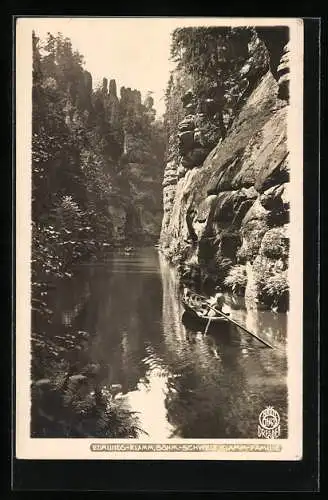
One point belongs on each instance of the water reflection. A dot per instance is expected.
(182, 383)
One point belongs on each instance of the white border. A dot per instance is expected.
(29, 448)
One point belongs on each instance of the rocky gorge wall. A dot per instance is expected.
(226, 208)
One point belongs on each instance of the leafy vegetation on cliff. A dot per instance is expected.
(237, 279)
(226, 179)
(213, 62)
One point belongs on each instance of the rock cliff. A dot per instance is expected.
(225, 190)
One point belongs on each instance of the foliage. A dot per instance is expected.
(219, 267)
(275, 290)
(252, 234)
(214, 57)
(237, 279)
(275, 244)
(72, 406)
(80, 157)
(67, 400)
(177, 85)
(78, 145)
(272, 282)
(277, 285)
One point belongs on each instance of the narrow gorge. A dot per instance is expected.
(132, 206)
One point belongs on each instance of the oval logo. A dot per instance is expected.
(269, 418)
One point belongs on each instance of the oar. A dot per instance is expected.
(235, 323)
(245, 329)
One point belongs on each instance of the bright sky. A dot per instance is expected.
(135, 52)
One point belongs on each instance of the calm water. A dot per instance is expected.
(182, 383)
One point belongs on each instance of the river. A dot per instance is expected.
(182, 383)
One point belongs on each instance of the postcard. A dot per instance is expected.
(159, 236)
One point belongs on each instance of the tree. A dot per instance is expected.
(213, 57)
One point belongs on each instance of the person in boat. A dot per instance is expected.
(217, 302)
(186, 294)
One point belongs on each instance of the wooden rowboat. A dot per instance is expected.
(198, 308)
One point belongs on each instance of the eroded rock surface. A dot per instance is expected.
(227, 203)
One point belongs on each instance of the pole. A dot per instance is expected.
(207, 326)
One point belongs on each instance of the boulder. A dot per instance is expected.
(229, 204)
(187, 97)
(187, 124)
(181, 172)
(271, 198)
(222, 180)
(194, 158)
(285, 195)
(264, 152)
(240, 212)
(224, 210)
(186, 141)
(275, 171)
(256, 212)
(283, 72)
(170, 181)
(205, 208)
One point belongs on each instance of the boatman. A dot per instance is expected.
(216, 301)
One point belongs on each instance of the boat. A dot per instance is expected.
(128, 250)
(197, 308)
(196, 313)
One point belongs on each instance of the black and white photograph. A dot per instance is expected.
(159, 238)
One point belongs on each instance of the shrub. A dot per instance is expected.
(222, 267)
(237, 279)
(250, 249)
(68, 212)
(62, 407)
(275, 245)
(242, 254)
(273, 288)
(276, 286)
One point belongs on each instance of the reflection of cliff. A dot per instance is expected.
(266, 324)
(125, 321)
(218, 384)
(172, 309)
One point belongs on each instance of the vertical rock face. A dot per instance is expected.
(283, 71)
(113, 104)
(226, 207)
